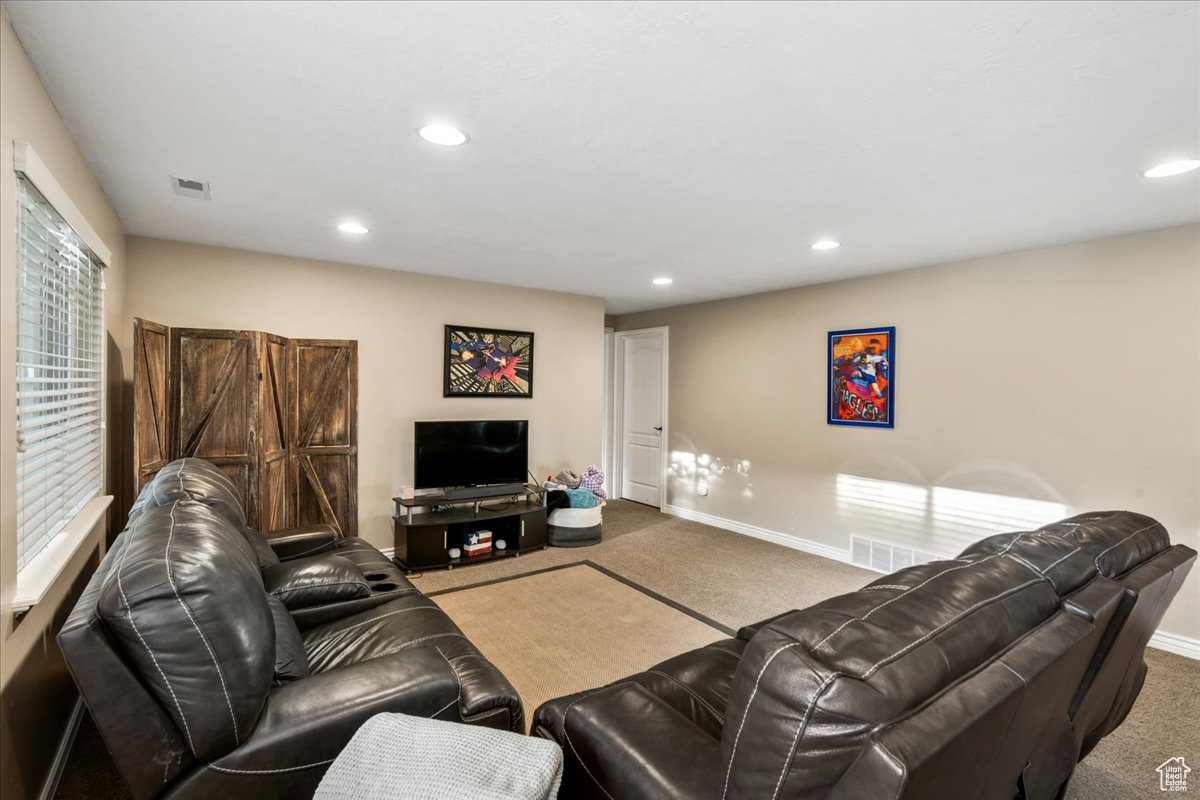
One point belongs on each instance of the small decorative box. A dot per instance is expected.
(478, 537)
(477, 543)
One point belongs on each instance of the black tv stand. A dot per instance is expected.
(482, 492)
(426, 527)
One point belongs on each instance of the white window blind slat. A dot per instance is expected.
(36, 506)
(49, 447)
(34, 394)
(36, 427)
(48, 464)
(65, 401)
(60, 339)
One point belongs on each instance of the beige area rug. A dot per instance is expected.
(567, 629)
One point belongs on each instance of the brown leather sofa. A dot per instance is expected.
(313, 555)
(202, 683)
(988, 676)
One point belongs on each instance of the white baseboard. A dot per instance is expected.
(63, 753)
(390, 552)
(1162, 640)
(1174, 643)
(787, 540)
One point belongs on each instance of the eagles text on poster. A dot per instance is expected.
(861, 374)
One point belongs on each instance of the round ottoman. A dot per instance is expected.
(574, 527)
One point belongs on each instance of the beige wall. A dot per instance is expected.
(397, 319)
(37, 692)
(28, 115)
(1067, 376)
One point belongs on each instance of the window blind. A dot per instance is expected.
(60, 339)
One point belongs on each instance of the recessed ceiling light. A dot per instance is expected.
(1173, 168)
(663, 281)
(442, 134)
(352, 227)
(826, 244)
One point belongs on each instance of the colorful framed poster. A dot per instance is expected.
(486, 362)
(862, 377)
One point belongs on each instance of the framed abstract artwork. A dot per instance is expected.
(862, 377)
(486, 362)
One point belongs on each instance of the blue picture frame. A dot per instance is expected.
(860, 377)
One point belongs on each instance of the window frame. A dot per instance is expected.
(36, 576)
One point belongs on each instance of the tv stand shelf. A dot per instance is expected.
(423, 534)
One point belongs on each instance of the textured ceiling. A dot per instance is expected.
(614, 142)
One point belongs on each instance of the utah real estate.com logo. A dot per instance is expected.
(1173, 775)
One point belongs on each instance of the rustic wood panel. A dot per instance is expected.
(214, 382)
(323, 431)
(151, 402)
(274, 503)
(278, 416)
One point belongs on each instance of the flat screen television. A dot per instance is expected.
(471, 453)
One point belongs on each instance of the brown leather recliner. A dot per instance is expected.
(202, 685)
(958, 679)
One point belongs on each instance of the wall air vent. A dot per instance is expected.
(885, 557)
(189, 187)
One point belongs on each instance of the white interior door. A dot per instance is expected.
(642, 415)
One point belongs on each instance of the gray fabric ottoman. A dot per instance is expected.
(399, 757)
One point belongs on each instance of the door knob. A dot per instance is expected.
(658, 428)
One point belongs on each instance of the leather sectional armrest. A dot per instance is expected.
(307, 723)
(312, 616)
(747, 632)
(625, 742)
(308, 540)
(315, 581)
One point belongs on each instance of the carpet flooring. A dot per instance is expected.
(733, 580)
(566, 629)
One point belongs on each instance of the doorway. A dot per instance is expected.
(639, 415)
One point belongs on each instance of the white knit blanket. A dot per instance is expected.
(398, 757)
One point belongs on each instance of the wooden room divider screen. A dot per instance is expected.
(279, 416)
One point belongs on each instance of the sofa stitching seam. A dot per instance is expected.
(308, 586)
(149, 650)
(485, 714)
(207, 646)
(725, 650)
(230, 770)
(1103, 552)
(457, 681)
(907, 592)
(812, 705)
(1059, 561)
(691, 691)
(1013, 671)
(961, 615)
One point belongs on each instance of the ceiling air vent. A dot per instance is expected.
(187, 187)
